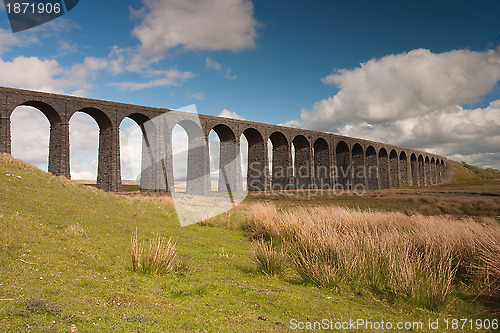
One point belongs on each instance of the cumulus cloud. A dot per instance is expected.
(33, 73)
(414, 99)
(229, 114)
(49, 76)
(195, 25)
(405, 85)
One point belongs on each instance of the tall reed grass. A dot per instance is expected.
(270, 261)
(417, 258)
(155, 256)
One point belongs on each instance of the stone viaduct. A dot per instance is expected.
(321, 160)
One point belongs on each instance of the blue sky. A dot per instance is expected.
(360, 68)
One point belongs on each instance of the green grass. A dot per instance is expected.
(65, 259)
(467, 172)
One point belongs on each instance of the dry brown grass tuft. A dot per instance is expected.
(155, 256)
(269, 260)
(488, 268)
(400, 256)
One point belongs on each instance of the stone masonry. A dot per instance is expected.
(321, 160)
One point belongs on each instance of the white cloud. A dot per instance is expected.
(9, 40)
(33, 73)
(171, 77)
(414, 99)
(195, 25)
(406, 85)
(199, 95)
(49, 76)
(211, 64)
(229, 114)
(53, 29)
(66, 48)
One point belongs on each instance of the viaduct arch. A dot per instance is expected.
(321, 160)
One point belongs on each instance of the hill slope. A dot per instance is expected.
(65, 259)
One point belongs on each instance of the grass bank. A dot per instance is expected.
(65, 260)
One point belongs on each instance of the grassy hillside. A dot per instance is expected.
(65, 259)
(467, 172)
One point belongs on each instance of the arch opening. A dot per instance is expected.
(32, 145)
(30, 136)
(229, 160)
(180, 147)
(133, 152)
(86, 149)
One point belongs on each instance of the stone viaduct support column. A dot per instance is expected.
(108, 170)
(371, 167)
(383, 166)
(4, 126)
(59, 154)
(343, 166)
(433, 171)
(421, 171)
(157, 160)
(403, 168)
(198, 167)
(303, 163)
(257, 160)
(149, 162)
(427, 171)
(414, 170)
(322, 164)
(281, 168)
(394, 169)
(165, 159)
(229, 162)
(439, 172)
(358, 167)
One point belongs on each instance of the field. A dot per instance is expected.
(65, 258)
